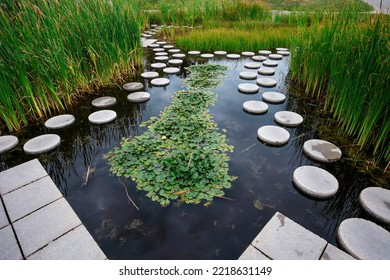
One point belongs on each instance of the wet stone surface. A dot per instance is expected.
(41, 144)
(102, 117)
(139, 96)
(287, 118)
(321, 150)
(134, 86)
(376, 201)
(248, 88)
(104, 101)
(248, 75)
(273, 97)
(7, 142)
(255, 107)
(273, 135)
(60, 121)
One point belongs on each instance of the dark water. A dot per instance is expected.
(220, 231)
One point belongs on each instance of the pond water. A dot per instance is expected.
(179, 231)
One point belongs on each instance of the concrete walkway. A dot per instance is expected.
(36, 222)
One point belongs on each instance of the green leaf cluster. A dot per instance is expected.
(182, 155)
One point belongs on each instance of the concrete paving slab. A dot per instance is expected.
(31, 197)
(9, 249)
(21, 175)
(77, 244)
(251, 253)
(283, 239)
(333, 253)
(3, 217)
(43, 226)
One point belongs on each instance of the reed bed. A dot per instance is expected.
(52, 51)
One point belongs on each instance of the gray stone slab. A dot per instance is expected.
(270, 63)
(220, 53)
(60, 121)
(321, 150)
(3, 216)
(255, 107)
(207, 55)
(252, 65)
(233, 56)
(259, 58)
(134, 86)
(174, 50)
(364, 239)
(194, 52)
(248, 75)
(161, 58)
(158, 65)
(376, 201)
(138, 96)
(248, 53)
(104, 101)
(248, 88)
(178, 55)
(288, 118)
(149, 75)
(275, 56)
(77, 244)
(9, 249)
(266, 71)
(283, 239)
(265, 52)
(171, 70)
(31, 197)
(153, 45)
(158, 49)
(251, 253)
(167, 47)
(147, 42)
(102, 117)
(266, 82)
(333, 253)
(7, 143)
(273, 97)
(284, 53)
(161, 54)
(281, 49)
(43, 226)
(42, 144)
(273, 135)
(21, 175)
(160, 82)
(315, 181)
(175, 61)
(161, 42)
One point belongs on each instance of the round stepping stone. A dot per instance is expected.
(60, 121)
(178, 55)
(174, 51)
(315, 181)
(207, 55)
(158, 50)
(266, 71)
(105, 101)
(364, 239)
(288, 118)
(248, 88)
(376, 201)
(270, 63)
(321, 150)
(255, 107)
(259, 58)
(171, 70)
(273, 135)
(284, 53)
(134, 86)
(265, 52)
(153, 45)
(146, 35)
(248, 53)
(168, 47)
(161, 42)
(102, 116)
(161, 54)
(266, 82)
(252, 65)
(273, 97)
(281, 49)
(160, 82)
(175, 61)
(158, 65)
(275, 56)
(139, 96)
(248, 75)
(41, 144)
(161, 58)
(7, 143)
(220, 53)
(149, 75)
(194, 52)
(233, 56)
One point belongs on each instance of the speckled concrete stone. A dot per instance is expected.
(174, 50)
(42, 144)
(3, 217)
(158, 65)
(247, 53)
(178, 55)
(158, 50)
(259, 58)
(233, 56)
(273, 97)
(168, 47)
(220, 53)
(153, 45)
(265, 52)
(194, 52)
(251, 253)
(161, 58)
(160, 82)
(138, 96)
(287, 118)
(60, 121)
(149, 75)
(252, 65)
(175, 61)
(7, 143)
(248, 75)
(270, 63)
(134, 86)
(102, 116)
(266, 82)
(9, 249)
(161, 42)
(248, 88)
(364, 239)
(255, 107)
(333, 253)
(315, 182)
(161, 54)
(281, 49)
(104, 101)
(207, 55)
(275, 56)
(266, 71)
(273, 135)
(171, 70)
(321, 150)
(376, 201)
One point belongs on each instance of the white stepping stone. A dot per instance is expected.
(41, 144)
(134, 86)
(102, 117)
(287, 118)
(147, 35)
(273, 97)
(105, 101)
(376, 201)
(248, 53)
(161, 54)
(233, 56)
(174, 51)
(207, 55)
(149, 75)
(161, 42)
(60, 121)
(168, 47)
(281, 49)
(153, 25)
(273, 135)
(255, 107)
(248, 75)
(161, 58)
(153, 45)
(266, 82)
(315, 182)
(321, 150)
(220, 53)
(271, 63)
(194, 52)
(158, 50)
(248, 88)
(265, 52)
(160, 82)
(175, 61)
(138, 96)
(178, 55)
(171, 70)
(158, 65)
(259, 58)
(7, 143)
(275, 56)
(364, 239)
(266, 71)
(284, 53)
(252, 65)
